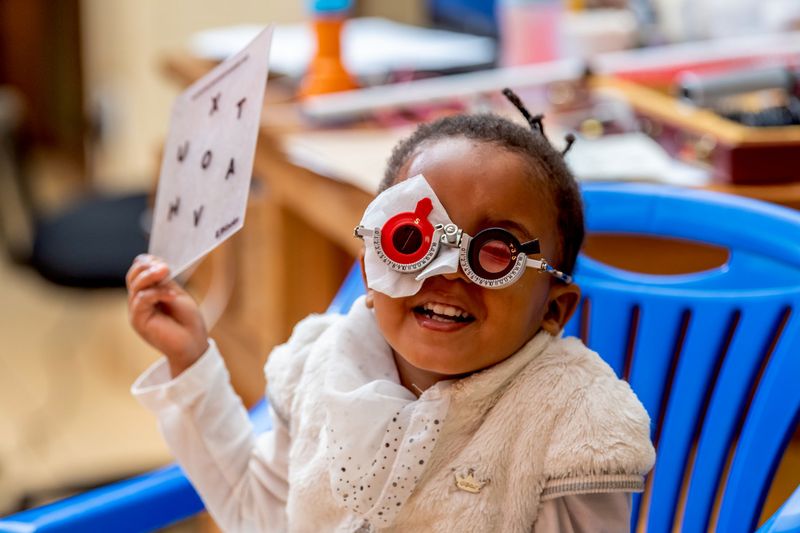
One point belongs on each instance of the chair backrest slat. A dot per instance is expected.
(657, 340)
(754, 333)
(771, 420)
(707, 333)
(609, 327)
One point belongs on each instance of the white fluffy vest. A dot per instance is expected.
(549, 421)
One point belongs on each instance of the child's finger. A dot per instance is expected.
(141, 262)
(143, 303)
(184, 309)
(153, 275)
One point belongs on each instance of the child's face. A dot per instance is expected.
(480, 185)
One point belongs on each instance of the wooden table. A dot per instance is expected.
(297, 244)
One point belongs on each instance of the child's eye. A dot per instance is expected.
(494, 256)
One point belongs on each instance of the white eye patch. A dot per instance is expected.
(400, 198)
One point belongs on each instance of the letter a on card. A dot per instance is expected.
(198, 181)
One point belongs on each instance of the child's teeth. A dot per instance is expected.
(445, 310)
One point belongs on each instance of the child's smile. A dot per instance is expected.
(442, 316)
(452, 326)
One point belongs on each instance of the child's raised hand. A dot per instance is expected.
(164, 314)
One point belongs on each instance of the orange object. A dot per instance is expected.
(326, 73)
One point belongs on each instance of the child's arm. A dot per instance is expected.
(164, 314)
(241, 478)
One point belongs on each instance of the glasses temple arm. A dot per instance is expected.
(544, 266)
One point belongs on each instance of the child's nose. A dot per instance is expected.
(458, 274)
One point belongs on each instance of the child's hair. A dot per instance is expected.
(547, 165)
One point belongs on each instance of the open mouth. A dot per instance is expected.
(444, 313)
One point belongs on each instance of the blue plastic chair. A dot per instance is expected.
(714, 356)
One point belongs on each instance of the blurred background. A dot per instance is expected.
(86, 88)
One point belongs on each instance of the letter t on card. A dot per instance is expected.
(208, 158)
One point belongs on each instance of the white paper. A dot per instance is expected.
(631, 157)
(208, 158)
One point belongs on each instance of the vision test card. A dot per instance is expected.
(208, 158)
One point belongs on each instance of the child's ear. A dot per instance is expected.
(561, 304)
(370, 301)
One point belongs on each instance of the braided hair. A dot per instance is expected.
(546, 164)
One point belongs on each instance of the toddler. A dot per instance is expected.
(446, 399)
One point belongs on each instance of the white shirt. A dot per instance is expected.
(244, 478)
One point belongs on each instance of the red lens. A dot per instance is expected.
(407, 239)
(494, 256)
